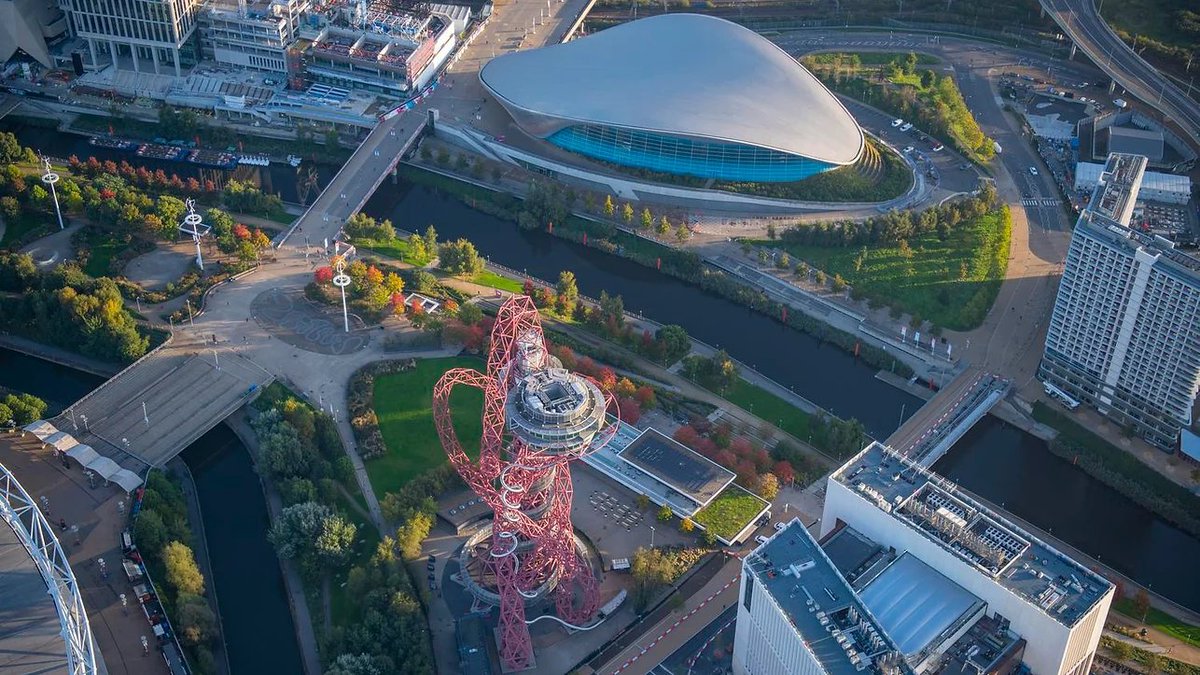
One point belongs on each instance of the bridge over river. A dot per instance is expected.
(948, 416)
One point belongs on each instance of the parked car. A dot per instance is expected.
(779, 527)
(761, 539)
(1033, 171)
(908, 149)
(906, 126)
(939, 147)
(897, 122)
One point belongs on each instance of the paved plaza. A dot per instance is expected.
(163, 265)
(300, 322)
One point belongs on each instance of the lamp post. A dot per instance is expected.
(50, 178)
(342, 280)
(193, 224)
(651, 536)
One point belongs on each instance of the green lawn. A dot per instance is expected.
(102, 255)
(1161, 621)
(343, 608)
(950, 283)
(397, 249)
(769, 407)
(730, 512)
(22, 225)
(493, 280)
(404, 404)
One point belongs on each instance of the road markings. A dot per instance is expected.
(673, 626)
(1041, 202)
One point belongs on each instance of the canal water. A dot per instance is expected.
(278, 178)
(259, 634)
(995, 460)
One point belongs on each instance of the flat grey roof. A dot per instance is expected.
(916, 603)
(30, 635)
(1058, 586)
(685, 471)
(681, 74)
(820, 604)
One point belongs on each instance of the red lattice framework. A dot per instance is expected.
(528, 488)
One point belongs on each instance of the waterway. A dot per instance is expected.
(259, 634)
(995, 460)
(277, 178)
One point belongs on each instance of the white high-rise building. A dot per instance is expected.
(145, 35)
(1125, 332)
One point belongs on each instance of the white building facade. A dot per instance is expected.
(153, 35)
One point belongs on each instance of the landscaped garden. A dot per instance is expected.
(1159, 620)
(730, 512)
(404, 406)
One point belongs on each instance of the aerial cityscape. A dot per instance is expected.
(361, 337)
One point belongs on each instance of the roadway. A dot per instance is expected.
(1091, 33)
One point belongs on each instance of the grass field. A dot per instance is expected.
(769, 407)
(102, 255)
(929, 281)
(404, 404)
(397, 249)
(731, 511)
(23, 224)
(1161, 621)
(493, 280)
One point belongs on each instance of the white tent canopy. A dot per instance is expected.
(41, 428)
(127, 479)
(104, 466)
(61, 440)
(84, 454)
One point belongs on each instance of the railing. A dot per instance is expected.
(38, 538)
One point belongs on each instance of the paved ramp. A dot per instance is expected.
(185, 394)
(31, 638)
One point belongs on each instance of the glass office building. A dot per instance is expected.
(643, 95)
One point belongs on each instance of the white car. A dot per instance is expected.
(779, 527)
(761, 539)
(1033, 171)
(908, 149)
(906, 126)
(897, 122)
(939, 147)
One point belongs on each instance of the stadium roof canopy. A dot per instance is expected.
(678, 74)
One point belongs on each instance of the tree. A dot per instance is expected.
(1141, 604)
(460, 258)
(10, 208)
(821, 278)
(323, 275)
(682, 233)
(150, 532)
(771, 233)
(568, 292)
(360, 664)
(393, 283)
(6, 415)
(25, 408)
(1122, 651)
(470, 314)
(650, 570)
(664, 226)
(412, 532)
(643, 502)
(784, 261)
(627, 213)
(647, 219)
(1154, 662)
(673, 342)
(609, 207)
(686, 525)
(768, 486)
(335, 540)
(297, 528)
(182, 573)
(665, 514)
(196, 621)
(430, 239)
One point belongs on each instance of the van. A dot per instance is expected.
(996, 145)
(761, 539)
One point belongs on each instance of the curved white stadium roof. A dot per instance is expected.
(680, 74)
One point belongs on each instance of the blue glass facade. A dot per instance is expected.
(687, 156)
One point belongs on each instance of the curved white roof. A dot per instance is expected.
(682, 74)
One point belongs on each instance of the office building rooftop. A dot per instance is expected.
(834, 624)
(1013, 558)
(1119, 184)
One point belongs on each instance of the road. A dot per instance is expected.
(1091, 33)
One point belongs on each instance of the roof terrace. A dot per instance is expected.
(1118, 188)
(835, 626)
(1015, 559)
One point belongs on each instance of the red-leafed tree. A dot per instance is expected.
(241, 231)
(323, 275)
(784, 471)
(687, 436)
(607, 379)
(645, 397)
(397, 303)
(528, 288)
(631, 412)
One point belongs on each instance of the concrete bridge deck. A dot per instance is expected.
(927, 435)
(185, 393)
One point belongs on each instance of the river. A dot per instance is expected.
(995, 460)
(259, 633)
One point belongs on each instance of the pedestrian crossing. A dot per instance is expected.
(1041, 202)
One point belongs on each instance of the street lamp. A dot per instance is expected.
(50, 178)
(651, 536)
(342, 280)
(193, 224)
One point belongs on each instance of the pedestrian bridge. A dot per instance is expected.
(948, 416)
(152, 410)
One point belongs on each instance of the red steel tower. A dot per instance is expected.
(537, 417)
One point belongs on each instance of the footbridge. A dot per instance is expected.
(948, 416)
(152, 410)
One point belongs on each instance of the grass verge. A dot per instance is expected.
(1160, 620)
(404, 405)
(951, 283)
(493, 280)
(730, 512)
(765, 405)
